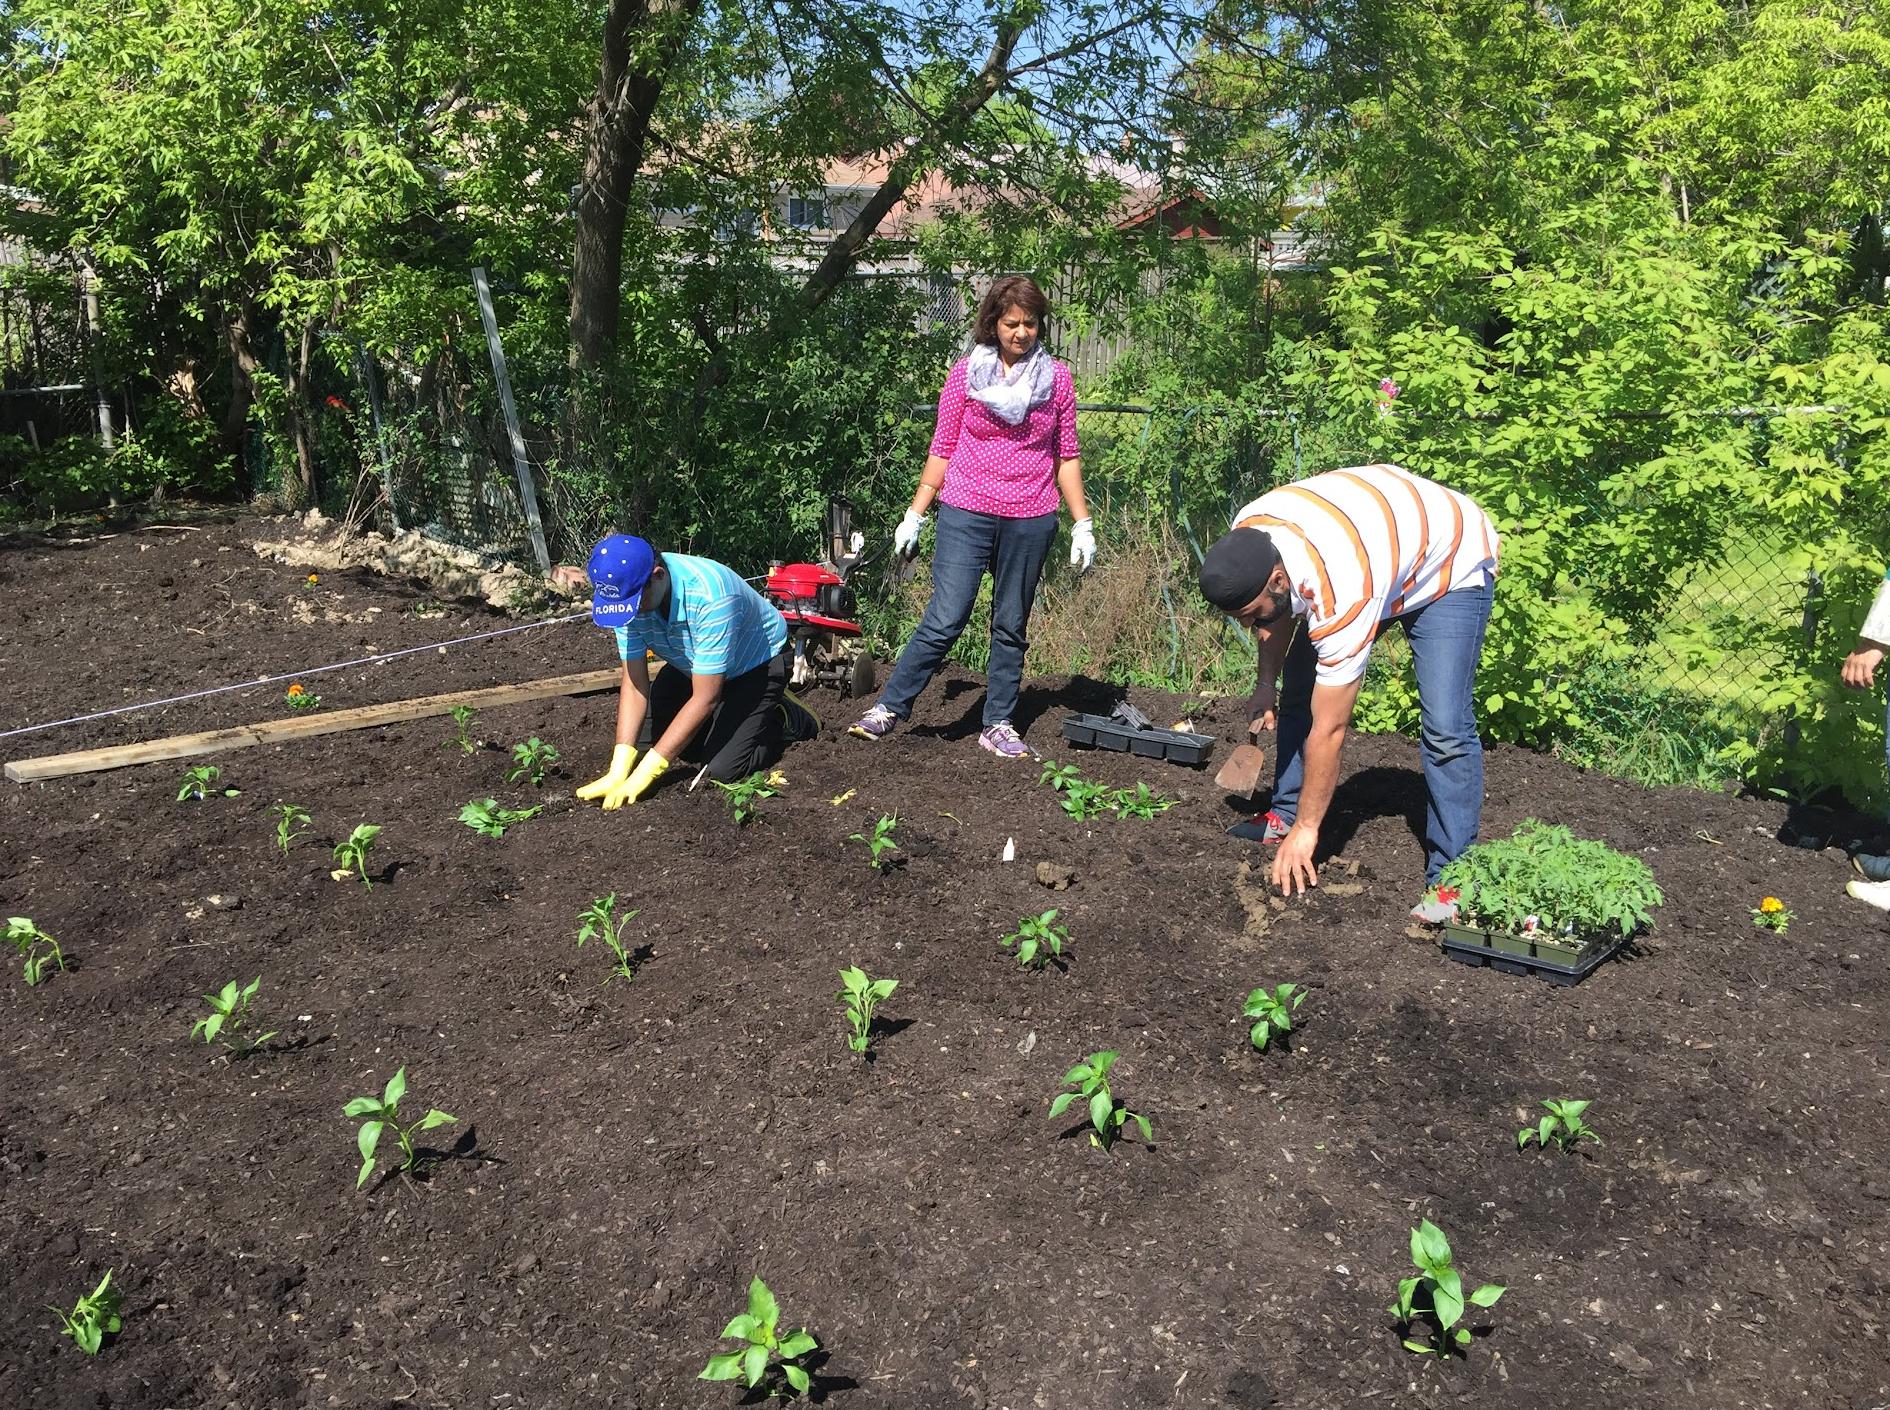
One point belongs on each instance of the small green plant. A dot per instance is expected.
(463, 722)
(1563, 1125)
(488, 819)
(1437, 1291)
(859, 996)
(745, 795)
(1770, 914)
(881, 843)
(383, 1113)
(229, 1017)
(600, 921)
(533, 759)
(1084, 799)
(199, 783)
(1274, 1010)
(1545, 880)
(1140, 802)
(35, 947)
(292, 821)
(299, 697)
(352, 852)
(765, 1349)
(1090, 1078)
(93, 1318)
(1059, 776)
(1039, 940)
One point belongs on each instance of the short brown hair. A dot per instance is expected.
(1011, 290)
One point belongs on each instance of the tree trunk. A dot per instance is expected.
(618, 130)
(241, 333)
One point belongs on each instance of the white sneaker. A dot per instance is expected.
(1871, 893)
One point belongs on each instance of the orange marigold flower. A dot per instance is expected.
(1771, 905)
(296, 689)
(314, 578)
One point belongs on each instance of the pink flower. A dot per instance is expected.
(1388, 389)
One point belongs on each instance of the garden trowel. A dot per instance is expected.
(1240, 775)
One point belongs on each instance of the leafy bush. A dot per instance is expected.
(1545, 877)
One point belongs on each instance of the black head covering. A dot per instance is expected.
(1237, 567)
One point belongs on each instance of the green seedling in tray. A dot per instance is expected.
(383, 1115)
(600, 921)
(1090, 1078)
(1274, 1010)
(93, 1318)
(1039, 939)
(229, 1018)
(766, 1349)
(488, 819)
(859, 996)
(35, 947)
(1563, 1125)
(533, 759)
(1437, 1291)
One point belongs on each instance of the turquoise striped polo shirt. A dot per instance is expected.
(716, 624)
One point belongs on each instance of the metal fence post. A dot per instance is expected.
(526, 493)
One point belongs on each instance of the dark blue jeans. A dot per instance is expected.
(1446, 639)
(967, 547)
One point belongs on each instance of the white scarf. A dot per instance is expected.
(1013, 395)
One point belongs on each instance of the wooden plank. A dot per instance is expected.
(303, 726)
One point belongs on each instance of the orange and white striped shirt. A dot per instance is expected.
(1362, 546)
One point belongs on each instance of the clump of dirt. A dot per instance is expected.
(408, 554)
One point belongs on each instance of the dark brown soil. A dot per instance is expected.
(628, 1156)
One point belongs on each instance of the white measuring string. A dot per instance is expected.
(296, 675)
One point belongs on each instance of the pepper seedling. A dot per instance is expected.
(352, 852)
(1274, 1010)
(859, 996)
(745, 794)
(463, 722)
(383, 1114)
(292, 821)
(35, 947)
(1437, 1291)
(488, 819)
(200, 782)
(1039, 940)
(881, 843)
(766, 1349)
(533, 759)
(600, 920)
(228, 1017)
(94, 1317)
(1563, 1125)
(1090, 1077)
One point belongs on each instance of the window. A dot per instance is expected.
(807, 212)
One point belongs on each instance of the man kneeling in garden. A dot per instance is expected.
(723, 701)
(1351, 550)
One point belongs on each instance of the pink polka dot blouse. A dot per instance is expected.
(1009, 472)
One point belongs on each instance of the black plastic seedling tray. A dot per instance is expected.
(1106, 732)
(1477, 947)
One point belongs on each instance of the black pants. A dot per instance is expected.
(744, 731)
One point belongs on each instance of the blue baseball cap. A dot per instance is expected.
(619, 570)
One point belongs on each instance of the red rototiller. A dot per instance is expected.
(829, 645)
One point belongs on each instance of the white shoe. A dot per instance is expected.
(1871, 893)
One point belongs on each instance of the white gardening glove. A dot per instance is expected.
(1082, 545)
(906, 536)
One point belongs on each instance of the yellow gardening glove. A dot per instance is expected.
(652, 767)
(621, 758)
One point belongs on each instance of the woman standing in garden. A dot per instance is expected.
(1004, 449)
